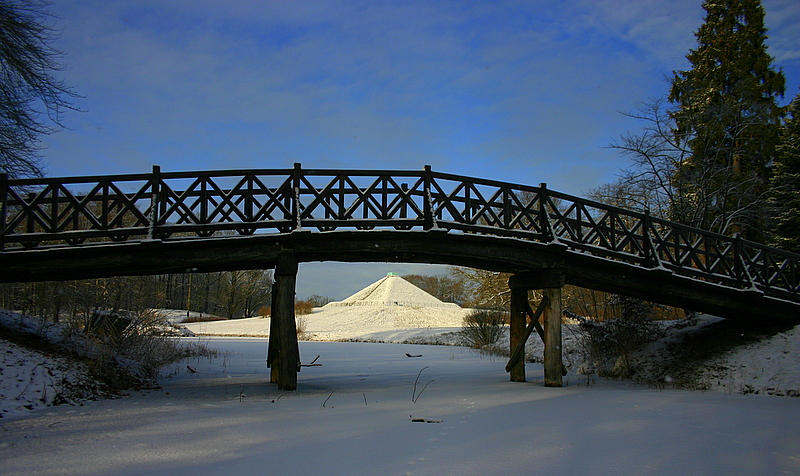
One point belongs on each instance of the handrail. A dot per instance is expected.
(39, 213)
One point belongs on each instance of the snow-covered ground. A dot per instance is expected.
(770, 367)
(370, 409)
(250, 327)
(31, 380)
(400, 408)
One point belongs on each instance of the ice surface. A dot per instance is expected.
(355, 415)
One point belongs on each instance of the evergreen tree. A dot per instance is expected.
(727, 108)
(786, 183)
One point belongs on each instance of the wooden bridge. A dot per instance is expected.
(85, 227)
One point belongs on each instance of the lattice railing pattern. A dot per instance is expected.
(63, 212)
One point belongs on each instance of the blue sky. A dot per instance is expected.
(520, 91)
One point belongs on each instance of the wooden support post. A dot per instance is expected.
(519, 304)
(553, 366)
(274, 345)
(283, 356)
(518, 353)
(550, 281)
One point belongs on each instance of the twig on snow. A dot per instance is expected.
(312, 364)
(329, 397)
(423, 420)
(415, 395)
(279, 397)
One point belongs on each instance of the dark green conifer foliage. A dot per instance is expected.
(727, 106)
(786, 183)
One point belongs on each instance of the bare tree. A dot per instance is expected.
(242, 293)
(29, 91)
(489, 288)
(447, 287)
(662, 178)
(656, 155)
(318, 301)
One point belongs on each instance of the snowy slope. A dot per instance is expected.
(31, 380)
(769, 367)
(388, 310)
(392, 291)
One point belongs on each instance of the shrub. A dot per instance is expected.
(303, 307)
(318, 301)
(137, 350)
(615, 340)
(482, 328)
(300, 326)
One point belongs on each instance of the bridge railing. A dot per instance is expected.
(83, 211)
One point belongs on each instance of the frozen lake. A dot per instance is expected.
(360, 413)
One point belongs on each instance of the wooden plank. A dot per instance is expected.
(553, 366)
(519, 303)
(541, 279)
(519, 351)
(273, 349)
(286, 356)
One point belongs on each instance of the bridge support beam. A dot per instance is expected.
(517, 324)
(550, 281)
(553, 364)
(283, 356)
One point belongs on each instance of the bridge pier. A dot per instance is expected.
(550, 282)
(517, 325)
(283, 355)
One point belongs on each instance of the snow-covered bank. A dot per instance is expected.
(770, 367)
(249, 327)
(44, 364)
(370, 409)
(32, 380)
(35, 375)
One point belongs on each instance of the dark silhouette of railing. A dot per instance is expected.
(87, 211)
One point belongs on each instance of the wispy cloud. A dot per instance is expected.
(509, 89)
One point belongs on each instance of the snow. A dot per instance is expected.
(31, 380)
(356, 414)
(368, 322)
(250, 327)
(769, 367)
(392, 291)
(389, 310)
(399, 408)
